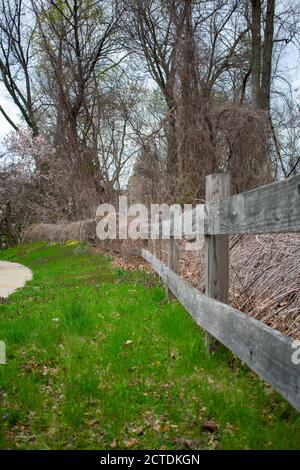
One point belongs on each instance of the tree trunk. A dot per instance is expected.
(256, 52)
(171, 130)
(267, 56)
(85, 192)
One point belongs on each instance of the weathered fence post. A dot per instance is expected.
(216, 249)
(173, 253)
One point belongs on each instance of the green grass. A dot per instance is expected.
(98, 359)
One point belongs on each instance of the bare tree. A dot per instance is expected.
(78, 43)
(16, 59)
(153, 29)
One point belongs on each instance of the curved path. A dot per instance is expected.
(12, 277)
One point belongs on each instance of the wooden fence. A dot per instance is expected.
(270, 209)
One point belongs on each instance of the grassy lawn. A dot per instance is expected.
(98, 359)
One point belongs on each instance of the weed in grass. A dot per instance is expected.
(77, 318)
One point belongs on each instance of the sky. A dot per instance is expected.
(11, 109)
(290, 61)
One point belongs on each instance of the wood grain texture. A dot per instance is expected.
(217, 246)
(216, 250)
(265, 350)
(274, 208)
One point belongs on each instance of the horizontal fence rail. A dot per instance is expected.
(265, 350)
(274, 208)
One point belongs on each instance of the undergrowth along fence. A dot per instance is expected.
(274, 208)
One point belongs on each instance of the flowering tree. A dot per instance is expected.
(25, 145)
(33, 184)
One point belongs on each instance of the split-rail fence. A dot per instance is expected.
(274, 208)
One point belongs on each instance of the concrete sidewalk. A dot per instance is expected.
(12, 277)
